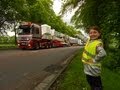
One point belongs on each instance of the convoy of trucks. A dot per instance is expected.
(34, 36)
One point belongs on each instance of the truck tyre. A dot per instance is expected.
(37, 46)
(47, 46)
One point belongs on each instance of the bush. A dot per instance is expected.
(7, 40)
(112, 61)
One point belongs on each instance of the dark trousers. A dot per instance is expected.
(94, 82)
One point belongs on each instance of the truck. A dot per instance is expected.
(35, 36)
(75, 41)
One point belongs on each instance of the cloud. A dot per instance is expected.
(57, 6)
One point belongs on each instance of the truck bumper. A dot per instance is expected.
(25, 46)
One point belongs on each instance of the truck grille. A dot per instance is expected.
(24, 43)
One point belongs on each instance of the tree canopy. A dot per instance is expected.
(105, 14)
(36, 11)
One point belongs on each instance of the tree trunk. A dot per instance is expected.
(15, 34)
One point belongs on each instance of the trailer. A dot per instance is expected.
(34, 36)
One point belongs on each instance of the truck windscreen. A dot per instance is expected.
(24, 26)
(24, 29)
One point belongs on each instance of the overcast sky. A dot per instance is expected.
(57, 7)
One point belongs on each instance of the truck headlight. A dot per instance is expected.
(29, 45)
(27, 38)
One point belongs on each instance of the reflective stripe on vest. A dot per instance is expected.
(90, 52)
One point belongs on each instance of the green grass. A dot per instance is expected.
(7, 46)
(111, 80)
(74, 78)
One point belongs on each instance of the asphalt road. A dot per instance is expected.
(20, 69)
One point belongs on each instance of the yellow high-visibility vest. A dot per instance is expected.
(90, 52)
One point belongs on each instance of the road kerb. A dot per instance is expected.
(48, 81)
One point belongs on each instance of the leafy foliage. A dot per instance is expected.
(103, 13)
(8, 40)
(37, 11)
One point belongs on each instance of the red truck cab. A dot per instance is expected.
(29, 36)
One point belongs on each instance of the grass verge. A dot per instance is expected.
(73, 78)
(7, 46)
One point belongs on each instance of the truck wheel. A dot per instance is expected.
(53, 46)
(50, 46)
(37, 46)
(46, 45)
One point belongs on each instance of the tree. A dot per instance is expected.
(37, 11)
(103, 13)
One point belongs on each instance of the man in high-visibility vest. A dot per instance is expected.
(92, 55)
